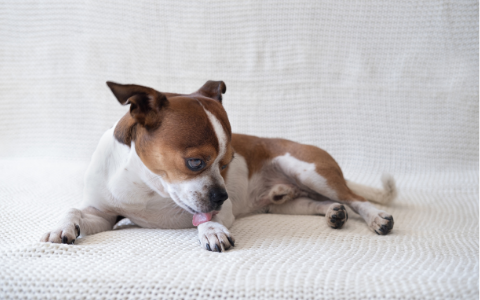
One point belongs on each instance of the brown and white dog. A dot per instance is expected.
(173, 162)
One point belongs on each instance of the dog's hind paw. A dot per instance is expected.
(336, 215)
(215, 237)
(65, 235)
(382, 224)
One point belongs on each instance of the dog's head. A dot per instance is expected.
(183, 140)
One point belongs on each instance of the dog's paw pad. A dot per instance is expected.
(66, 235)
(215, 237)
(336, 216)
(382, 224)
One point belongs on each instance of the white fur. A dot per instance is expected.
(381, 196)
(118, 181)
(237, 186)
(214, 233)
(374, 217)
(302, 206)
(221, 136)
(305, 174)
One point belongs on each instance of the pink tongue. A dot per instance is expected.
(201, 218)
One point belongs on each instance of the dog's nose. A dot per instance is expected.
(218, 195)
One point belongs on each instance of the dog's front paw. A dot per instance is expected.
(382, 223)
(336, 215)
(65, 235)
(215, 237)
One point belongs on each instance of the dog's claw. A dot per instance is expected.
(64, 240)
(216, 236)
(231, 241)
(77, 229)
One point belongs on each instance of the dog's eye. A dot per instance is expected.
(195, 164)
(223, 167)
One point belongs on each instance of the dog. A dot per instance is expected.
(173, 162)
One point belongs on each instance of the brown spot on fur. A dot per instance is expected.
(258, 151)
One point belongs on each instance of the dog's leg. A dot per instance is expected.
(377, 220)
(321, 177)
(214, 235)
(335, 213)
(80, 222)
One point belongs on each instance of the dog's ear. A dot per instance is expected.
(213, 89)
(145, 103)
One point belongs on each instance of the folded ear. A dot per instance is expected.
(213, 89)
(146, 103)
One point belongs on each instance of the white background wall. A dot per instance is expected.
(382, 85)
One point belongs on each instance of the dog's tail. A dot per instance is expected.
(381, 196)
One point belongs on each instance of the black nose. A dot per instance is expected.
(218, 195)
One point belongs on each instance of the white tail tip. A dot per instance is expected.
(382, 196)
(389, 189)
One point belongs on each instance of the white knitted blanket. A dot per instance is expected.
(384, 86)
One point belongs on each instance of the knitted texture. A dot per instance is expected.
(383, 86)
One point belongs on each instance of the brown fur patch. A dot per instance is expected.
(259, 151)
